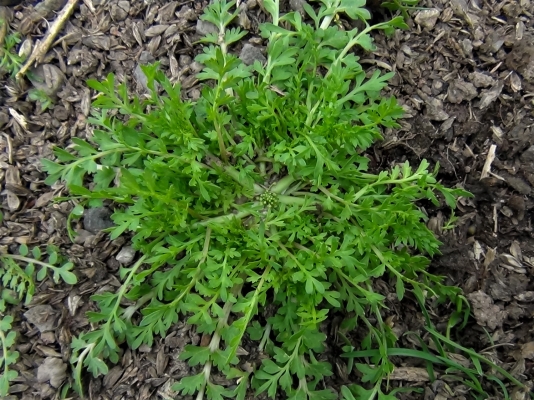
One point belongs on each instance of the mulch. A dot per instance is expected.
(465, 76)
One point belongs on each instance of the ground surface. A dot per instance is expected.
(465, 74)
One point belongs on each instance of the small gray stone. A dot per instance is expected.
(43, 316)
(52, 370)
(467, 47)
(249, 54)
(126, 255)
(427, 18)
(196, 67)
(194, 94)
(146, 58)
(184, 60)
(438, 86)
(297, 5)
(141, 78)
(205, 28)
(96, 219)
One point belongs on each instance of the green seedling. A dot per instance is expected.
(10, 61)
(39, 95)
(18, 273)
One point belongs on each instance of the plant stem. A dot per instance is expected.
(328, 19)
(250, 310)
(265, 337)
(292, 200)
(223, 218)
(30, 260)
(282, 185)
(353, 42)
(214, 162)
(216, 339)
(123, 289)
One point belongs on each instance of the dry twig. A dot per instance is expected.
(43, 46)
(486, 170)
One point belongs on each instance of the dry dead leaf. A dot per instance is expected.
(409, 374)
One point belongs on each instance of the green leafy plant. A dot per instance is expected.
(39, 95)
(481, 375)
(10, 61)
(18, 284)
(254, 207)
(8, 357)
(404, 6)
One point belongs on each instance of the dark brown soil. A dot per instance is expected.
(465, 75)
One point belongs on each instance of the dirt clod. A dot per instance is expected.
(52, 370)
(486, 312)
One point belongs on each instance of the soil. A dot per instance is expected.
(465, 76)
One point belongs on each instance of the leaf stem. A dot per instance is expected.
(397, 273)
(30, 260)
(353, 42)
(221, 219)
(328, 19)
(283, 184)
(216, 339)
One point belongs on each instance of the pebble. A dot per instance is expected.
(194, 94)
(140, 77)
(126, 255)
(467, 47)
(185, 60)
(52, 370)
(297, 5)
(97, 219)
(196, 67)
(146, 58)
(205, 27)
(249, 54)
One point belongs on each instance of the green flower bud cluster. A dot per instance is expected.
(268, 199)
